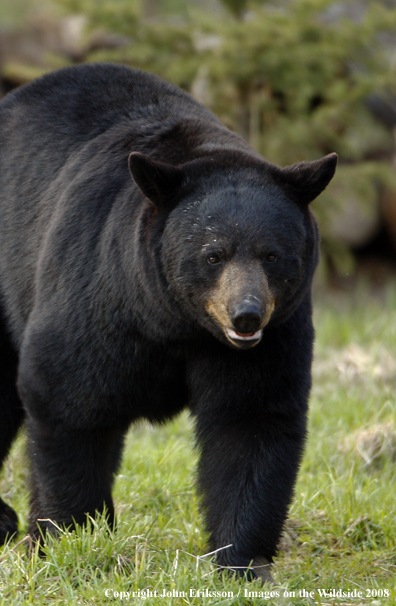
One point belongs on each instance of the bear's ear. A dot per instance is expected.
(157, 181)
(307, 180)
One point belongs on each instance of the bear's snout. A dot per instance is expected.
(242, 303)
(247, 315)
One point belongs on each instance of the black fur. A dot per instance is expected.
(115, 296)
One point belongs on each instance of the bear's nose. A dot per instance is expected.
(247, 315)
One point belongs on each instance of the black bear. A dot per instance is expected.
(187, 285)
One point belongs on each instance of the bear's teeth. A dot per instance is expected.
(240, 337)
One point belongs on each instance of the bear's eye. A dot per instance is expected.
(213, 259)
(271, 258)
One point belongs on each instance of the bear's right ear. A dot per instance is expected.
(156, 180)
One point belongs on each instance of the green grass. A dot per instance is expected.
(342, 529)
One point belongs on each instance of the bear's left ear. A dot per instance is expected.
(157, 181)
(308, 179)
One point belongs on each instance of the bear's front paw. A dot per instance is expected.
(261, 570)
(258, 568)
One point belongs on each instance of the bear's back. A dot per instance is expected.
(78, 103)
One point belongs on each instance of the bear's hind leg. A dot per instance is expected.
(11, 418)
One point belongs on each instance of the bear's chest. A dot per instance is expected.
(149, 380)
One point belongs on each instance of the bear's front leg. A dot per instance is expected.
(251, 445)
(71, 474)
(75, 430)
(247, 473)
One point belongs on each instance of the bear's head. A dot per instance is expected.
(238, 243)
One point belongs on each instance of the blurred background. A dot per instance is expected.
(297, 78)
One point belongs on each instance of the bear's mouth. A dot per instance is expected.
(244, 339)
